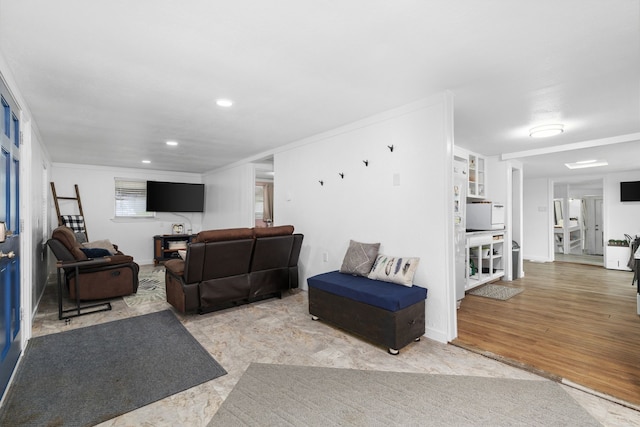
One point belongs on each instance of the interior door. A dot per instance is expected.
(599, 242)
(10, 313)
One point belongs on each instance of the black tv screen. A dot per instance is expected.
(174, 197)
(630, 191)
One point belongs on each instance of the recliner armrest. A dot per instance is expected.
(108, 261)
(120, 259)
(175, 266)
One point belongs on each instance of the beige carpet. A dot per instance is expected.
(281, 395)
(150, 288)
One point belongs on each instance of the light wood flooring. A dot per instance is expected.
(573, 321)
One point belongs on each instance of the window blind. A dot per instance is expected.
(131, 198)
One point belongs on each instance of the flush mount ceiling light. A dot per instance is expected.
(545, 131)
(146, 162)
(172, 143)
(224, 102)
(586, 164)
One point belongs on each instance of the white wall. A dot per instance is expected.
(537, 219)
(37, 220)
(97, 192)
(229, 199)
(620, 218)
(400, 200)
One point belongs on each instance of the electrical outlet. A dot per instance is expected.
(325, 256)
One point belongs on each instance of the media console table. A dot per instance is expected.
(166, 246)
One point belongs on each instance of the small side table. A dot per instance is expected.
(78, 310)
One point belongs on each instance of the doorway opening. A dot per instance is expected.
(263, 199)
(578, 218)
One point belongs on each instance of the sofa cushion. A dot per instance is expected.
(378, 294)
(223, 235)
(102, 244)
(393, 269)
(359, 258)
(95, 252)
(66, 236)
(281, 230)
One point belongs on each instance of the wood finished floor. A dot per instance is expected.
(574, 321)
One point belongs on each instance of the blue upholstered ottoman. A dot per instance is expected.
(385, 313)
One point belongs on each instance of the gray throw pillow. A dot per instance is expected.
(359, 258)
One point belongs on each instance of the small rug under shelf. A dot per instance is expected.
(496, 292)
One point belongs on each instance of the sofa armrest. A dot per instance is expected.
(175, 266)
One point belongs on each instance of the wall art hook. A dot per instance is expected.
(321, 182)
(366, 162)
(341, 174)
(390, 147)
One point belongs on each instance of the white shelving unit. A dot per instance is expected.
(485, 257)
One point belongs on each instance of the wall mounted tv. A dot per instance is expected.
(174, 197)
(630, 191)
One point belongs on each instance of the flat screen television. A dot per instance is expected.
(174, 197)
(630, 191)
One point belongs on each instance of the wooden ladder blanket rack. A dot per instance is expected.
(77, 198)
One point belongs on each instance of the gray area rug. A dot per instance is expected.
(496, 292)
(280, 395)
(89, 375)
(150, 288)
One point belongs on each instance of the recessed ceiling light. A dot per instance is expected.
(224, 102)
(588, 164)
(545, 131)
(146, 161)
(172, 143)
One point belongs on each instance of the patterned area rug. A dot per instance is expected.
(150, 288)
(496, 292)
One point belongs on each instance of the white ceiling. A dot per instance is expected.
(109, 81)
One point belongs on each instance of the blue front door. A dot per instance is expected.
(10, 313)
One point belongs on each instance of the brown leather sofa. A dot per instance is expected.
(114, 278)
(228, 267)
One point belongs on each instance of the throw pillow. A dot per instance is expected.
(95, 252)
(101, 244)
(359, 258)
(392, 269)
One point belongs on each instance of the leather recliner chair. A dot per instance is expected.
(114, 278)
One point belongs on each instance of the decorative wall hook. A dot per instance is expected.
(366, 162)
(321, 182)
(390, 147)
(341, 174)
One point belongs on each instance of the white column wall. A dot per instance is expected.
(537, 218)
(230, 197)
(402, 199)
